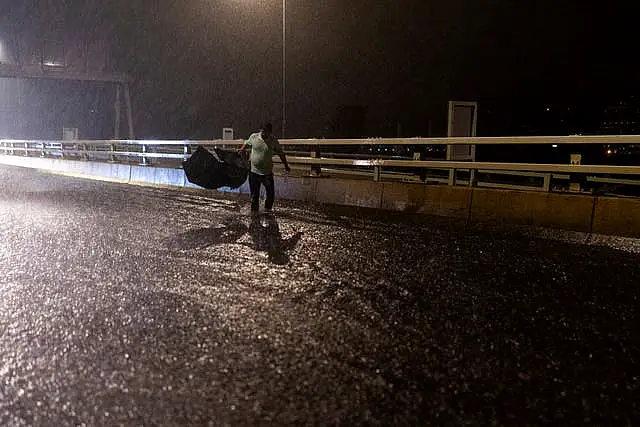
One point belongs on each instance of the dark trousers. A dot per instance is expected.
(255, 181)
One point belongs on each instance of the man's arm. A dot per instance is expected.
(280, 152)
(283, 157)
(246, 143)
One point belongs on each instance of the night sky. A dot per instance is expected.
(200, 65)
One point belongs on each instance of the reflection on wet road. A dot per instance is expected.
(124, 305)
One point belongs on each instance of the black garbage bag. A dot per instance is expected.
(217, 168)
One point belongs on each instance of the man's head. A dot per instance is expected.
(266, 130)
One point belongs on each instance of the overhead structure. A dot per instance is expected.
(79, 60)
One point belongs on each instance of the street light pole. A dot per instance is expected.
(284, 66)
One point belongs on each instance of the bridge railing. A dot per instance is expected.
(356, 158)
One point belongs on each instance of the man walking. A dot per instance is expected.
(263, 147)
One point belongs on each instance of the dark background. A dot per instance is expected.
(354, 68)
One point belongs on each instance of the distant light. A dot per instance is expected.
(548, 109)
(53, 64)
(554, 146)
(609, 151)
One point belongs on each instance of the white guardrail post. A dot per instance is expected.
(452, 176)
(145, 162)
(185, 151)
(472, 177)
(546, 184)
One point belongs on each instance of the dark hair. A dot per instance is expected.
(267, 126)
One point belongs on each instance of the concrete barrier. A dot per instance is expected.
(330, 191)
(365, 194)
(27, 162)
(173, 177)
(143, 175)
(441, 200)
(453, 202)
(105, 170)
(110, 171)
(397, 196)
(567, 211)
(570, 212)
(294, 188)
(617, 216)
(602, 215)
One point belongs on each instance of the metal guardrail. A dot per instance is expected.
(366, 165)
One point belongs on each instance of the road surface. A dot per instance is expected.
(125, 305)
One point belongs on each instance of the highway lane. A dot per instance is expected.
(126, 305)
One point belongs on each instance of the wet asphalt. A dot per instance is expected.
(126, 305)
